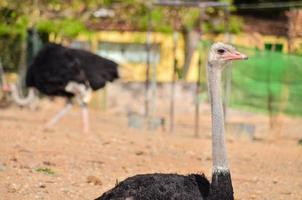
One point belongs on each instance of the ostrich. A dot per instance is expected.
(67, 72)
(194, 186)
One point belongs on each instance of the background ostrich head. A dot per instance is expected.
(220, 54)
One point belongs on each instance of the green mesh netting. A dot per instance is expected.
(269, 81)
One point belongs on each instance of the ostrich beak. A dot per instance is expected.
(236, 55)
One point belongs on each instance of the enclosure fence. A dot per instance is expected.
(268, 81)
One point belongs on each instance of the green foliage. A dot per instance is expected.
(298, 50)
(66, 27)
(16, 18)
(71, 28)
(158, 21)
(218, 25)
(45, 170)
(190, 18)
(47, 26)
(235, 24)
(10, 46)
(107, 2)
(16, 27)
(131, 11)
(136, 12)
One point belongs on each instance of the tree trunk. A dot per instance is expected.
(22, 68)
(191, 39)
(294, 27)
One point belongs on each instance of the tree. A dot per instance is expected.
(68, 18)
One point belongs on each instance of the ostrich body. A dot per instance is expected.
(67, 72)
(193, 186)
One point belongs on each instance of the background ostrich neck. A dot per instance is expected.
(220, 161)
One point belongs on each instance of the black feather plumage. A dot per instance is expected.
(54, 66)
(160, 187)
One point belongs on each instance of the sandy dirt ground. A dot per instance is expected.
(64, 163)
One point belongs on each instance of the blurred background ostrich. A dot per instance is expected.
(66, 72)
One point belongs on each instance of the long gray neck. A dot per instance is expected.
(221, 185)
(220, 161)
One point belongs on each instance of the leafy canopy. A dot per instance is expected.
(68, 17)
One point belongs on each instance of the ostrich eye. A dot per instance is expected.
(220, 51)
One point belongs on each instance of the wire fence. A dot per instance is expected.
(268, 81)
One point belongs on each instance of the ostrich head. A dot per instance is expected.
(220, 54)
